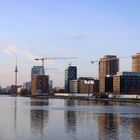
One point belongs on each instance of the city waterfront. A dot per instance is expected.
(51, 119)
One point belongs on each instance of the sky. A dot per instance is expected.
(86, 29)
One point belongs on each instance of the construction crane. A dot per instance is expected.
(50, 69)
(53, 58)
(98, 60)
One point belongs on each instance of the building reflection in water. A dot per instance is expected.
(86, 117)
(108, 126)
(79, 120)
(136, 128)
(39, 117)
(131, 126)
(70, 118)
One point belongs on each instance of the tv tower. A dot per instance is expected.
(16, 71)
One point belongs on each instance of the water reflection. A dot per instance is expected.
(35, 119)
(136, 128)
(109, 126)
(39, 118)
(70, 117)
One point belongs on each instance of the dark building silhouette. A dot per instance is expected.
(127, 83)
(70, 74)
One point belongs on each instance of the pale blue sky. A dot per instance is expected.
(87, 29)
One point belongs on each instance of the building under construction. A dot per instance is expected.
(108, 67)
(136, 62)
(40, 85)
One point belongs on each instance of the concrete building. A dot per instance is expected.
(126, 83)
(73, 86)
(136, 63)
(70, 74)
(84, 85)
(108, 67)
(40, 84)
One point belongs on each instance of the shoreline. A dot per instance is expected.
(88, 98)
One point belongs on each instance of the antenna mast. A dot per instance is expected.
(16, 71)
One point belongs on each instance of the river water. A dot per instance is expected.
(59, 119)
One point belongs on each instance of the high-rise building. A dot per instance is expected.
(136, 62)
(108, 67)
(40, 82)
(70, 74)
(40, 85)
(37, 70)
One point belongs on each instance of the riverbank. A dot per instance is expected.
(89, 98)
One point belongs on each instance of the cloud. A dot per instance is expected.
(11, 50)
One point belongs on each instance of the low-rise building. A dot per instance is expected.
(27, 86)
(126, 83)
(84, 85)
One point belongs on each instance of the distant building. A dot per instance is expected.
(40, 84)
(50, 85)
(136, 63)
(37, 70)
(13, 89)
(126, 83)
(84, 85)
(70, 74)
(27, 85)
(108, 67)
(59, 90)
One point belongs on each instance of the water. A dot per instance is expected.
(54, 119)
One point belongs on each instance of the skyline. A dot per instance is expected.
(84, 29)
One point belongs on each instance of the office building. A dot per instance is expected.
(40, 84)
(108, 67)
(136, 63)
(126, 83)
(37, 70)
(73, 86)
(70, 74)
(84, 85)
